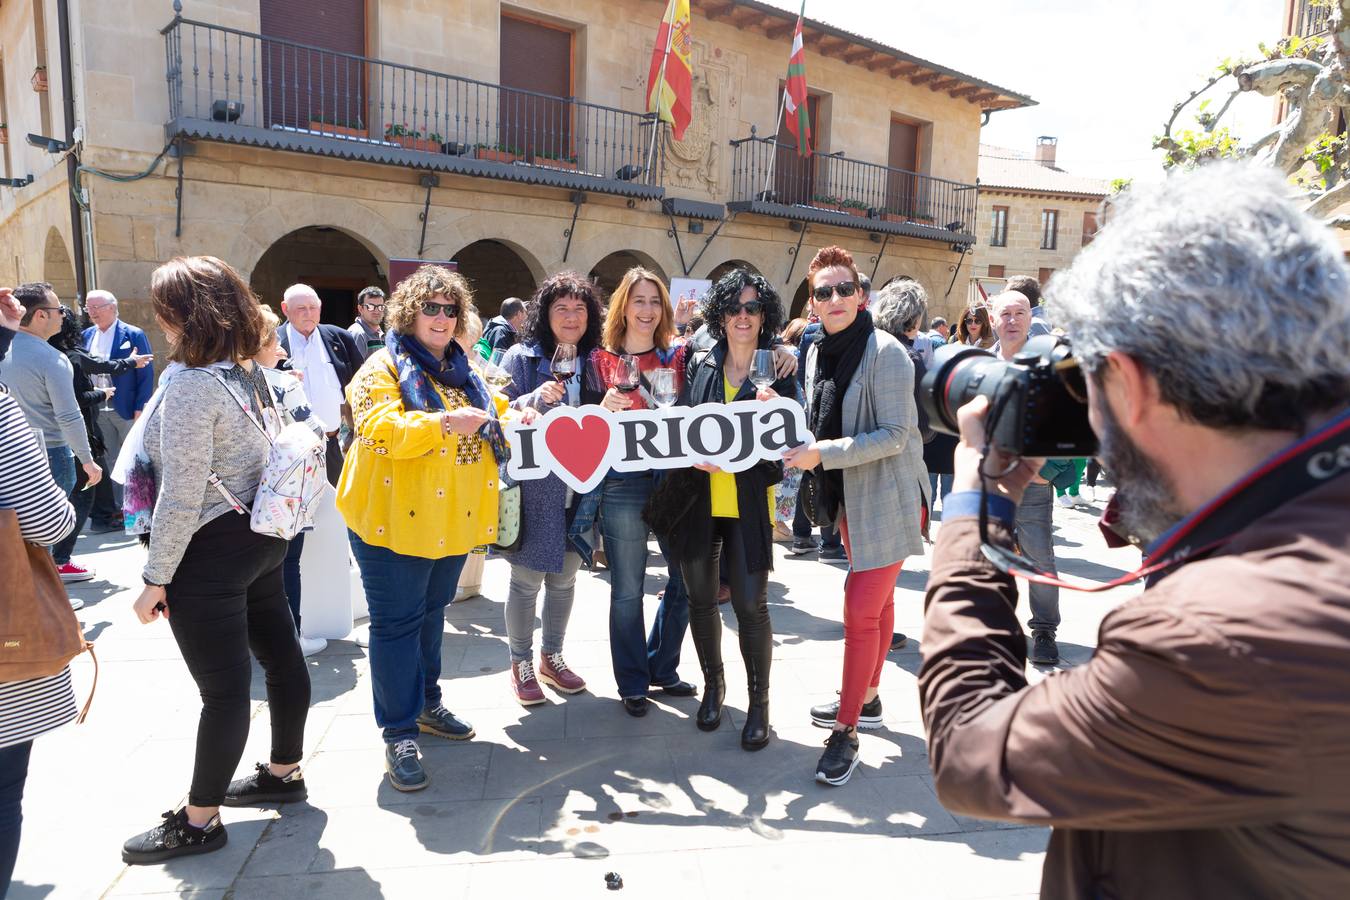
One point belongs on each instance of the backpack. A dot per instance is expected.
(293, 478)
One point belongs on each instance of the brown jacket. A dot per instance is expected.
(1205, 749)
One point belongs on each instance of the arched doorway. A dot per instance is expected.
(729, 266)
(608, 272)
(328, 259)
(57, 269)
(798, 306)
(497, 270)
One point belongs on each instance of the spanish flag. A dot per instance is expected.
(670, 90)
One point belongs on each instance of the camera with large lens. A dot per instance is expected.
(1037, 402)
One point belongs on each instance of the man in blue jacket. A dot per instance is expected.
(111, 338)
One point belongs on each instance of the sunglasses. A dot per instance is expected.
(430, 310)
(823, 293)
(971, 320)
(753, 308)
(373, 305)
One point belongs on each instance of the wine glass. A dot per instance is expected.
(564, 361)
(493, 373)
(663, 387)
(762, 373)
(104, 382)
(627, 376)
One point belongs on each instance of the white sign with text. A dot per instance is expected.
(581, 445)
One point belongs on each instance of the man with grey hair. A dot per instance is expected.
(1204, 750)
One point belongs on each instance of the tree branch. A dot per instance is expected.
(1330, 200)
(1270, 77)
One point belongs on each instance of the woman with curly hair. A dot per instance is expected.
(418, 491)
(565, 310)
(974, 329)
(861, 463)
(637, 333)
(732, 514)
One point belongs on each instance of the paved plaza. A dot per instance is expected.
(541, 802)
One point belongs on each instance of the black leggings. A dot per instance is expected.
(1094, 469)
(226, 599)
(749, 598)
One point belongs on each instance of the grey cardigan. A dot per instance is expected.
(885, 482)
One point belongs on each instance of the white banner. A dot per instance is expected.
(581, 445)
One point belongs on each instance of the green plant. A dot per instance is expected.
(404, 130)
(436, 138)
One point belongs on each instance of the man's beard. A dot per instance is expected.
(1145, 503)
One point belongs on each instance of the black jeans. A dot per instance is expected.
(290, 575)
(225, 600)
(749, 599)
(13, 774)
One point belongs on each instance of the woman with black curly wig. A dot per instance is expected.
(565, 310)
(732, 513)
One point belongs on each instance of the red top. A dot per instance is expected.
(605, 367)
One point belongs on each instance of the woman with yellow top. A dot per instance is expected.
(731, 514)
(418, 492)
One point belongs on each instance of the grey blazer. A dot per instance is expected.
(885, 482)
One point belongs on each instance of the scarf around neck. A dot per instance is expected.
(838, 356)
(417, 368)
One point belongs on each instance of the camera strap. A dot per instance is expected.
(1305, 465)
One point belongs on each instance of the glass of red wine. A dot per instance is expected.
(564, 361)
(627, 376)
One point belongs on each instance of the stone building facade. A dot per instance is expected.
(283, 155)
(1033, 216)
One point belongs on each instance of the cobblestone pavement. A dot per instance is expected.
(546, 800)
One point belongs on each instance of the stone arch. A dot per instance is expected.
(497, 269)
(57, 268)
(723, 268)
(277, 220)
(798, 305)
(336, 263)
(609, 271)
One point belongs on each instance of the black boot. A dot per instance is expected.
(755, 734)
(714, 690)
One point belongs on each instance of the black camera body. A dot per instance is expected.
(1037, 402)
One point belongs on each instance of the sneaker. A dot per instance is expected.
(833, 554)
(74, 572)
(553, 672)
(1044, 651)
(839, 759)
(1065, 501)
(469, 592)
(310, 646)
(526, 686)
(264, 787)
(868, 720)
(898, 640)
(1082, 502)
(172, 838)
(443, 723)
(404, 768)
(801, 546)
(76, 603)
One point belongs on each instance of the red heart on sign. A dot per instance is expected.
(578, 447)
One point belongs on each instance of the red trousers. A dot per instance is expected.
(869, 620)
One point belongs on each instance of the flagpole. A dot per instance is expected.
(782, 105)
(669, 21)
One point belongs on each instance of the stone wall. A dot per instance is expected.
(1023, 254)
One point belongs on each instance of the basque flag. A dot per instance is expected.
(794, 101)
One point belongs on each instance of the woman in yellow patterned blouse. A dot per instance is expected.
(418, 492)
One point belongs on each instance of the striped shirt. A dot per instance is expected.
(30, 708)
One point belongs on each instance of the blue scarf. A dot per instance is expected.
(415, 365)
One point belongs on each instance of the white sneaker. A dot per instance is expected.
(76, 603)
(465, 593)
(309, 646)
(1065, 501)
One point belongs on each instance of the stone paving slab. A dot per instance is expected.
(542, 800)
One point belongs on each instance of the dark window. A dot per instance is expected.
(1049, 229)
(536, 58)
(301, 86)
(903, 189)
(1089, 227)
(998, 237)
(995, 271)
(794, 178)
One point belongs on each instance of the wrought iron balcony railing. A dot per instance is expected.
(294, 91)
(770, 178)
(1311, 20)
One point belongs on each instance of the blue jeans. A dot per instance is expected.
(638, 663)
(82, 499)
(934, 479)
(407, 596)
(1035, 518)
(62, 463)
(13, 774)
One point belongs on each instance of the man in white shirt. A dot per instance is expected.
(111, 338)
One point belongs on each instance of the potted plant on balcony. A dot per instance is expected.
(411, 139)
(339, 127)
(500, 153)
(554, 160)
(39, 79)
(825, 201)
(855, 208)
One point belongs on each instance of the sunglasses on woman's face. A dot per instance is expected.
(753, 308)
(823, 293)
(971, 320)
(430, 310)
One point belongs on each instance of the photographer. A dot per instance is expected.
(1204, 751)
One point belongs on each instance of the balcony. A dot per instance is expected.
(1311, 21)
(236, 87)
(768, 178)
